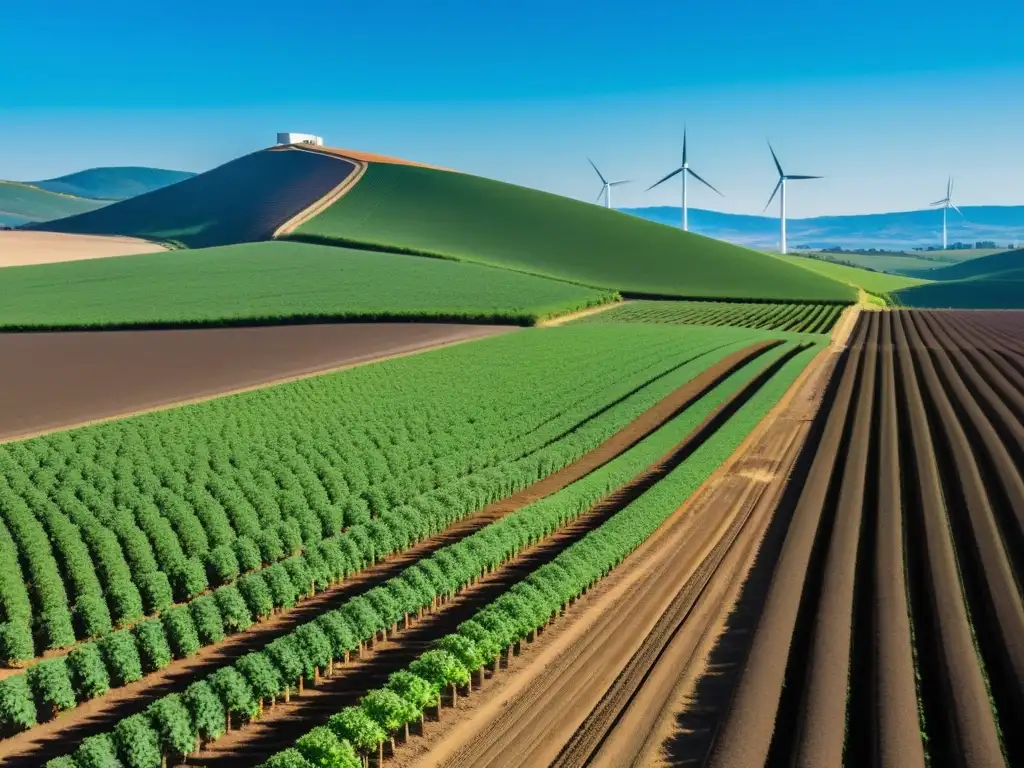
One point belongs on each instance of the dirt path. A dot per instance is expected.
(319, 206)
(562, 319)
(53, 738)
(55, 381)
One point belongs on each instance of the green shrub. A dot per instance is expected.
(173, 723)
(282, 591)
(261, 674)
(271, 546)
(137, 742)
(188, 578)
(358, 728)
(256, 594)
(17, 705)
(247, 554)
(207, 710)
(180, 631)
(289, 758)
(92, 617)
(51, 685)
(222, 564)
(89, 675)
(16, 642)
(207, 618)
(155, 590)
(121, 657)
(235, 694)
(414, 689)
(99, 751)
(322, 748)
(154, 651)
(389, 710)
(233, 609)
(65, 761)
(440, 668)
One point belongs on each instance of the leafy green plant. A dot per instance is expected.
(17, 705)
(137, 742)
(154, 651)
(172, 721)
(99, 751)
(89, 676)
(121, 657)
(322, 748)
(50, 682)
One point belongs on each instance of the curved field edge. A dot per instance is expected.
(538, 600)
(436, 213)
(789, 319)
(277, 282)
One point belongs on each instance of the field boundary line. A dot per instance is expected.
(368, 359)
(551, 322)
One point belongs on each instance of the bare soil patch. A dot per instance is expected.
(19, 248)
(563, 319)
(55, 381)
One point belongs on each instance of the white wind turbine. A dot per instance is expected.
(606, 189)
(685, 170)
(946, 203)
(783, 178)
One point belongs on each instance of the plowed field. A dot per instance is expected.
(893, 630)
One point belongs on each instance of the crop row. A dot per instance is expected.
(115, 522)
(520, 612)
(302, 654)
(57, 685)
(799, 318)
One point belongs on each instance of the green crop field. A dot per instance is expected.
(276, 282)
(23, 204)
(799, 318)
(877, 283)
(244, 200)
(272, 495)
(995, 281)
(475, 219)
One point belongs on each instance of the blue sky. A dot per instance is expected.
(883, 98)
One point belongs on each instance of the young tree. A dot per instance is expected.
(137, 742)
(414, 689)
(207, 711)
(51, 685)
(180, 631)
(323, 749)
(153, 648)
(173, 723)
(207, 619)
(89, 676)
(233, 609)
(390, 711)
(441, 669)
(262, 676)
(99, 752)
(289, 758)
(121, 656)
(359, 729)
(17, 706)
(463, 649)
(235, 694)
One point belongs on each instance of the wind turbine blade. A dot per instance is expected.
(684, 145)
(779, 167)
(773, 195)
(798, 178)
(616, 183)
(598, 200)
(664, 179)
(956, 209)
(702, 181)
(949, 188)
(940, 202)
(603, 180)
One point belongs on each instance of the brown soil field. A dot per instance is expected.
(58, 380)
(892, 631)
(285, 722)
(20, 248)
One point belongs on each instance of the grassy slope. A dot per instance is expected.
(983, 266)
(118, 183)
(476, 219)
(275, 281)
(1003, 290)
(877, 283)
(241, 201)
(21, 203)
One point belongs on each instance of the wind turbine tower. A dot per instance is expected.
(606, 188)
(783, 178)
(946, 203)
(685, 170)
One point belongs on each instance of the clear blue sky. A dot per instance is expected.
(884, 97)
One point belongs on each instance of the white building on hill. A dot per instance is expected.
(299, 138)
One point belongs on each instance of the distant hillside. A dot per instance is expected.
(22, 204)
(244, 200)
(469, 218)
(985, 267)
(906, 229)
(115, 183)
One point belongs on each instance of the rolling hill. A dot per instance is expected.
(459, 216)
(114, 183)
(988, 282)
(276, 282)
(878, 283)
(244, 200)
(24, 204)
(984, 266)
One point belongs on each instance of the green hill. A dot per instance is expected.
(24, 204)
(244, 200)
(115, 183)
(981, 267)
(422, 210)
(878, 283)
(276, 282)
(1002, 290)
